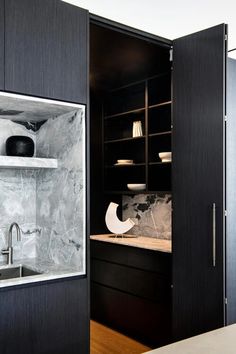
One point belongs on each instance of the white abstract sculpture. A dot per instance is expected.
(114, 224)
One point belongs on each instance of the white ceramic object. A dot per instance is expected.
(136, 186)
(125, 161)
(165, 156)
(137, 129)
(114, 224)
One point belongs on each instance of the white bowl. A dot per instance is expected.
(165, 156)
(136, 187)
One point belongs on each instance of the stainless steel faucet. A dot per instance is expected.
(9, 250)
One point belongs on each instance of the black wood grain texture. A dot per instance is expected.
(198, 181)
(231, 193)
(2, 50)
(148, 285)
(148, 260)
(131, 291)
(45, 319)
(147, 321)
(46, 49)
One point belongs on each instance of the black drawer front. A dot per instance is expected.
(146, 284)
(144, 320)
(148, 260)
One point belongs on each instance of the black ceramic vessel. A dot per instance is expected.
(19, 145)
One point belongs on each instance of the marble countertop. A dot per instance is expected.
(49, 271)
(150, 243)
(215, 342)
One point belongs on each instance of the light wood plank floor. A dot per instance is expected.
(105, 340)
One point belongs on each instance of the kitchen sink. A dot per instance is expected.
(16, 272)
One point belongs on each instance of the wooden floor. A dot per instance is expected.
(104, 340)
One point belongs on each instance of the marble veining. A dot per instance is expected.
(18, 203)
(47, 204)
(60, 192)
(151, 214)
(31, 109)
(27, 162)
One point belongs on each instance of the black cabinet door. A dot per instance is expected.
(198, 181)
(46, 49)
(46, 318)
(1, 44)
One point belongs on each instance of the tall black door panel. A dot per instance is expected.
(46, 49)
(198, 182)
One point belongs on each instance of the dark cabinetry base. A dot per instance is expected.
(131, 291)
(49, 318)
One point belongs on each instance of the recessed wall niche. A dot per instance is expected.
(47, 203)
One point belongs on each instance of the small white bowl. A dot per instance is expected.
(165, 156)
(136, 187)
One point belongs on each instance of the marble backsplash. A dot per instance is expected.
(17, 197)
(47, 204)
(60, 192)
(151, 214)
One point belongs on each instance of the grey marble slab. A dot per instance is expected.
(60, 193)
(18, 204)
(49, 205)
(32, 109)
(27, 162)
(151, 214)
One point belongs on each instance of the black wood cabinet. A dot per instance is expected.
(131, 291)
(198, 182)
(49, 318)
(43, 52)
(149, 102)
(46, 49)
(203, 264)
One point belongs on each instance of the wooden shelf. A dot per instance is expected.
(126, 192)
(159, 163)
(160, 133)
(133, 111)
(124, 139)
(160, 104)
(27, 162)
(136, 192)
(156, 122)
(138, 110)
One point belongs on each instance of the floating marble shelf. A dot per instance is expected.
(27, 162)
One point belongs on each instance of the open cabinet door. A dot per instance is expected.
(199, 68)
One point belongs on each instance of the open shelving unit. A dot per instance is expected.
(148, 101)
